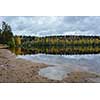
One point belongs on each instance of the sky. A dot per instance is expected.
(53, 25)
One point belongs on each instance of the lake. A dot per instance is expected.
(59, 65)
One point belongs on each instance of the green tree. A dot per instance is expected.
(6, 32)
(11, 42)
(6, 35)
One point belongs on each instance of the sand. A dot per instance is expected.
(17, 70)
(3, 46)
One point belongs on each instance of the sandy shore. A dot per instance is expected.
(3, 46)
(19, 70)
(14, 70)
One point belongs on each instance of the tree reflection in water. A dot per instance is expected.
(57, 50)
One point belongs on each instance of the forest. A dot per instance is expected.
(61, 41)
(52, 44)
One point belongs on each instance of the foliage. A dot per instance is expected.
(62, 41)
(6, 35)
(17, 41)
(11, 42)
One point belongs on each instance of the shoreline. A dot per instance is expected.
(2, 46)
(17, 70)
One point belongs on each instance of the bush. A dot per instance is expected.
(11, 43)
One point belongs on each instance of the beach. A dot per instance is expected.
(17, 70)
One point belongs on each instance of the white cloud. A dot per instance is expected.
(53, 25)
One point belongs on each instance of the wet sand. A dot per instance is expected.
(17, 70)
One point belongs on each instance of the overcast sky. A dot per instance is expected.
(53, 25)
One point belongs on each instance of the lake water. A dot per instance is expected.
(60, 65)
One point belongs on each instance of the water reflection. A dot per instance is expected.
(57, 50)
(17, 51)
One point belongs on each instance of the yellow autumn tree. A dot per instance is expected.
(17, 40)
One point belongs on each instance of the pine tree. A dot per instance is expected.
(7, 35)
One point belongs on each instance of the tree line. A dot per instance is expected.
(60, 41)
(7, 37)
